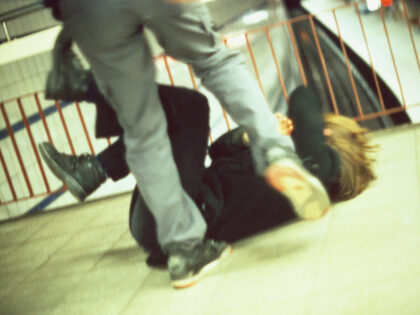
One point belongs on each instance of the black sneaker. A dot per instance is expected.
(82, 174)
(187, 266)
(157, 260)
(287, 175)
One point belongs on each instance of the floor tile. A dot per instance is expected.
(357, 262)
(399, 297)
(276, 305)
(68, 220)
(361, 258)
(21, 229)
(37, 294)
(156, 296)
(104, 290)
(114, 211)
(28, 258)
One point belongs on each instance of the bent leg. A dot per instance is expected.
(142, 224)
(187, 34)
(187, 114)
(124, 71)
(113, 161)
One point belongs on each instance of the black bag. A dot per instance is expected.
(67, 80)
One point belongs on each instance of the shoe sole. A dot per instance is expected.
(186, 283)
(306, 193)
(72, 185)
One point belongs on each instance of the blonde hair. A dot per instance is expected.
(352, 144)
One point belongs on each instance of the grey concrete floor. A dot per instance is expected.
(362, 258)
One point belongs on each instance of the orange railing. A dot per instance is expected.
(18, 191)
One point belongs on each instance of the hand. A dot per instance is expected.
(285, 124)
(285, 127)
(245, 138)
(327, 132)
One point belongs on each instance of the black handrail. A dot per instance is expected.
(21, 11)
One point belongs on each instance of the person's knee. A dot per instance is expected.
(223, 60)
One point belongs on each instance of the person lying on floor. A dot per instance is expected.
(233, 200)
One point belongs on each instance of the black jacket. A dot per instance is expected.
(234, 201)
(247, 203)
(179, 104)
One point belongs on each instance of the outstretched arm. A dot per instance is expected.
(309, 135)
(237, 139)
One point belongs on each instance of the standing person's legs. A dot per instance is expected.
(187, 113)
(186, 33)
(109, 35)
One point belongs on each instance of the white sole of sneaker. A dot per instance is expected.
(306, 193)
(190, 281)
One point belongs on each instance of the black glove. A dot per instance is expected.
(67, 80)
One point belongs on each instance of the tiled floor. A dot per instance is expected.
(362, 258)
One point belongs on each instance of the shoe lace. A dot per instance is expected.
(80, 160)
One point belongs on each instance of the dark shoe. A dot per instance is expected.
(188, 265)
(287, 175)
(82, 174)
(157, 260)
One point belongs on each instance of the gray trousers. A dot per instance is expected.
(109, 34)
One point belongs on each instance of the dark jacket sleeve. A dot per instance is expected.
(308, 136)
(227, 145)
(310, 142)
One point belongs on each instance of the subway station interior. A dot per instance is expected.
(59, 255)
